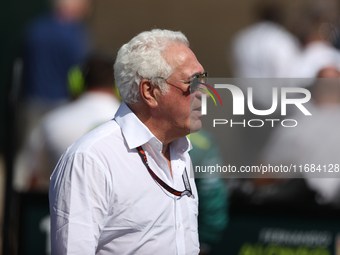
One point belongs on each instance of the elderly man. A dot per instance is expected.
(124, 187)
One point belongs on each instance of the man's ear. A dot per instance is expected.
(148, 92)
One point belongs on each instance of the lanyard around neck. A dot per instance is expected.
(180, 194)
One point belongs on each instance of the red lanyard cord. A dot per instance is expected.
(187, 192)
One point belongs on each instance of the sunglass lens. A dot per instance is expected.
(194, 84)
(204, 78)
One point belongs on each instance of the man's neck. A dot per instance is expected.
(166, 155)
(156, 126)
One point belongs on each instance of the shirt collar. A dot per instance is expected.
(137, 134)
(134, 131)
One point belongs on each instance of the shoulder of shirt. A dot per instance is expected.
(93, 140)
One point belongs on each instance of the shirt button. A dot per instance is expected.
(163, 165)
(179, 225)
(157, 144)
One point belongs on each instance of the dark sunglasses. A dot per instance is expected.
(194, 82)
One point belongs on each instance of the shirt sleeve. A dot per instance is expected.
(79, 203)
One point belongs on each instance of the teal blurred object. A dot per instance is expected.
(212, 192)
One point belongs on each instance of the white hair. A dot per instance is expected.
(142, 57)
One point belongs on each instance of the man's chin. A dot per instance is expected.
(195, 125)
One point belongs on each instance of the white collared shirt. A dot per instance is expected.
(104, 201)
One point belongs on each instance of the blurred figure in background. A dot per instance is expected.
(65, 124)
(314, 140)
(264, 49)
(317, 33)
(53, 44)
